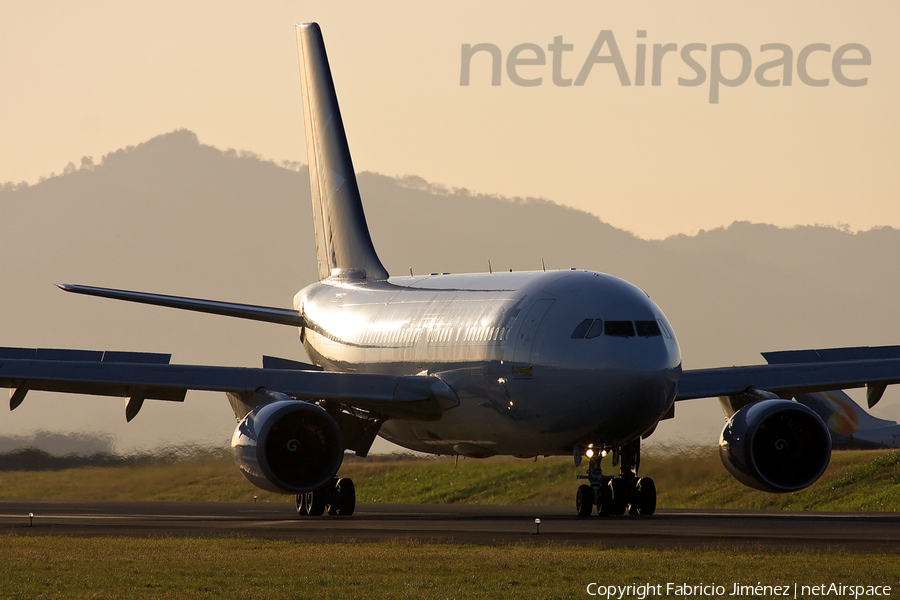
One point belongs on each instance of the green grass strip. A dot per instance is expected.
(855, 481)
(54, 567)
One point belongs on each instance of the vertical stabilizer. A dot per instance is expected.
(342, 236)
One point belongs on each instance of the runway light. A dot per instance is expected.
(254, 497)
(537, 525)
(31, 519)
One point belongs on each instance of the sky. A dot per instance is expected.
(83, 79)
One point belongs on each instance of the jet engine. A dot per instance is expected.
(288, 446)
(775, 446)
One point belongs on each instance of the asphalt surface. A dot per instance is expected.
(466, 524)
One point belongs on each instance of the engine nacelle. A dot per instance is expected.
(775, 446)
(288, 446)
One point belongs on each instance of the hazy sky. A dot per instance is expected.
(90, 77)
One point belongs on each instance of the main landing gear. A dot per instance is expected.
(616, 495)
(338, 498)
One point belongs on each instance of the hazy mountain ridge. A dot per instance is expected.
(172, 215)
(813, 248)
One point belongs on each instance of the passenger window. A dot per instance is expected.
(620, 328)
(596, 329)
(647, 328)
(582, 329)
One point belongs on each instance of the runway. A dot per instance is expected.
(464, 524)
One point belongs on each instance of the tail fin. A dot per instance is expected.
(342, 236)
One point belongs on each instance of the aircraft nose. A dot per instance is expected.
(661, 370)
(635, 393)
(648, 397)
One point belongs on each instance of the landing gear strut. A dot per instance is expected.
(337, 497)
(616, 495)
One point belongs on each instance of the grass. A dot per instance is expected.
(855, 481)
(53, 567)
(57, 567)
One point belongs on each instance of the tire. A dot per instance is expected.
(301, 506)
(604, 502)
(620, 496)
(646, 493)
(584, 501)
(331, 497)
(315, 502)
(344, 497)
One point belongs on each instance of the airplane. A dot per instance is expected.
(537, 363)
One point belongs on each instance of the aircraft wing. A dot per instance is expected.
(874, 368)
(151, 377)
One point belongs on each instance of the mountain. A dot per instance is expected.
(175, 216)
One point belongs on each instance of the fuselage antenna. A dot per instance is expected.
(490, 270)
(410, 272)
(543, 268)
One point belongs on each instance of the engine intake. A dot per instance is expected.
(775, 446)
(288, 446)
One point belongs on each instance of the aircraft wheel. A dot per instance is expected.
(344, 497)
(301, 506)
(634, 504)
(315, 502)
(605, 501)
(620, 494)
(646, 496)
(584, 501)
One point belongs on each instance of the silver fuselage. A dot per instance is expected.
(503, 342)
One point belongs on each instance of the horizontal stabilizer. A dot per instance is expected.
(282, 316)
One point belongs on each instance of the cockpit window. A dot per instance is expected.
(665, 330)
(596, 329)
(582, 329)
(620, 328)
(647, 328)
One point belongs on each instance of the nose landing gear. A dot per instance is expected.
(617, 495)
